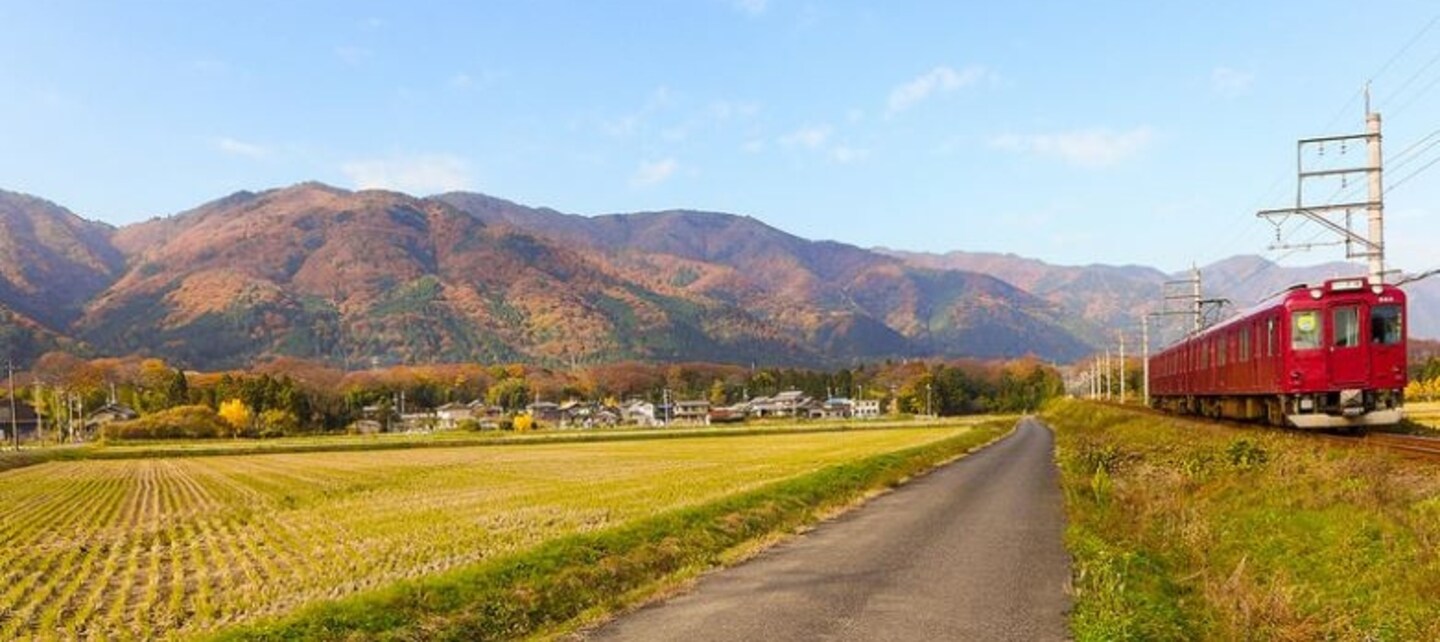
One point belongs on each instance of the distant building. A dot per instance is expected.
(26, 421)
(790, 403)
(695, 412)
(638, 413)
(544, 412)
(107, 414)
(867, 409)
(833, 408)
(587, 414)
(451, 414)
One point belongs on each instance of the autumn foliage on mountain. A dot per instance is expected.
(358, 279)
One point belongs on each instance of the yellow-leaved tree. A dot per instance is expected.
(523, 422)
(237, 414)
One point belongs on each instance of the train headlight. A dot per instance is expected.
(1376, 289)
(1315, 293)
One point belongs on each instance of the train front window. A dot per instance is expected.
(1347, 326)
(1385, 325)
(1305, 330)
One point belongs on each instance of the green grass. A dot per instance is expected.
(1183, 530)
(162, 547)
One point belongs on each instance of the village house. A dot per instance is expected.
(449, 416)
(25, 421)
(637, 412)
(107, 414)
(545, 412)
(790, 403)
(587, 414)
(833, 408)
(694, 412)
(867, 409)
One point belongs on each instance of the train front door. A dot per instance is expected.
(1349, 363)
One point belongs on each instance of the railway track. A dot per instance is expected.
(1414, 445)
(1428, 447)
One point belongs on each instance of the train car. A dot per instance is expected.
(1330, 356)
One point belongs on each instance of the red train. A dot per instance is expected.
(1327, 356)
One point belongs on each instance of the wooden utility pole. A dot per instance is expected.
(1122, 364)
(14, 423)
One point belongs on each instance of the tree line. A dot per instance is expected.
(293, 396)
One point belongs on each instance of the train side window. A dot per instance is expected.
(1270, 337)
(1305, 330)
(1385, 325)
(1347, 326)
(1244, 344)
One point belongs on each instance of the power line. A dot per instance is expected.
(1417, 96)
(1413, 39)
(1413, 174)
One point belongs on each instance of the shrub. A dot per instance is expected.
(276, 423)
(180, 422)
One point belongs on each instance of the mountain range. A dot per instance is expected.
(359, 278)
(1106, 297)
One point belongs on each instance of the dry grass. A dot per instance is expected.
(1186, 530)
(158, 547)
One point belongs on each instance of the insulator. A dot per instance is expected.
(1342, 148)
(1322, 149)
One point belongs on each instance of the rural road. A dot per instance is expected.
(971, 551)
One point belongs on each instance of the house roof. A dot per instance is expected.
(23, 411)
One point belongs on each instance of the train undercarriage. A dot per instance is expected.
(1333, 410)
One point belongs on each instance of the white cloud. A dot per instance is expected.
(725, 110)
(753, 146)
(809, 136)
(845, 154)
(419, 175)
(654, 173)
(1087, 148)
(241, 148)
(352, 55)
(1230, 82)
(940, 79)
(752, 7)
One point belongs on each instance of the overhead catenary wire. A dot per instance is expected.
(1413, 174)
(1415, 151)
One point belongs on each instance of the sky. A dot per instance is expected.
(1072, 132)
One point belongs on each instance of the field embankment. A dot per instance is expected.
(1184, 530)
(481, 541)
(216, 447)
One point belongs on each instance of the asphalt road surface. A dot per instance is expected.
(971, 551)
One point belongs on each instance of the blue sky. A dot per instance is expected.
(1073, 132)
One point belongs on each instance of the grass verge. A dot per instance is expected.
(1184, 530)
(580, 575)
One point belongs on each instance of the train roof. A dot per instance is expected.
(1346, 284)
